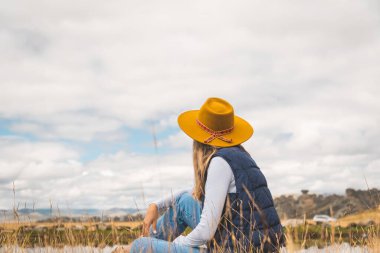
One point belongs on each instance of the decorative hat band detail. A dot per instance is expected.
(215, 134)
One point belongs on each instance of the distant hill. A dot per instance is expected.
(354, 201)
(39, 214)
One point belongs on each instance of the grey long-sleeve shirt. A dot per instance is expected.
(220, 181)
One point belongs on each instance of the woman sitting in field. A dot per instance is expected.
(230, 208)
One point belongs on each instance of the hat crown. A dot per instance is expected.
(217, 114)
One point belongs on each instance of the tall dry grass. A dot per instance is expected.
(25, 234)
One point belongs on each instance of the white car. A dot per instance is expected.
(321, 218)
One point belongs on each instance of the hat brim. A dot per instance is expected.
(242, 130)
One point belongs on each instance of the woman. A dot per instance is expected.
(230, 208)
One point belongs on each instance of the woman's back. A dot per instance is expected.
(249, 220)
(235, 188)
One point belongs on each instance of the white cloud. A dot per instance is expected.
(44, 172)
(42, 161)
(305, 74)
(177, 140)
(134, 69)
(73, 126)
(170, 121)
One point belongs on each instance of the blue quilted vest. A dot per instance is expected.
(249, 220)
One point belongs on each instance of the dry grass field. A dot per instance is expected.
(359, 232)
(364, 218)
(14, 225)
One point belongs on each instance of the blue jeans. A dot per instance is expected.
(184, 212)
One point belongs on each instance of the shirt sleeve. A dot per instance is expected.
(219, 176)
(168, 201)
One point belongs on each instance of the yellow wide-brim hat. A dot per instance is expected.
(215, 124)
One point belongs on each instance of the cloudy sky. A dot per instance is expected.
(85, 84)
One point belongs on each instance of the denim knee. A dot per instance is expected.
(142, 244)
(186, 196)
(186, 199)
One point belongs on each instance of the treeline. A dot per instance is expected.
(309, 204)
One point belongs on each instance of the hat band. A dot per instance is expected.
(215, 134)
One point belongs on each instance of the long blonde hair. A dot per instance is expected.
(202, 155)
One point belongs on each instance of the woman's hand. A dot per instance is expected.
(150, 219)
